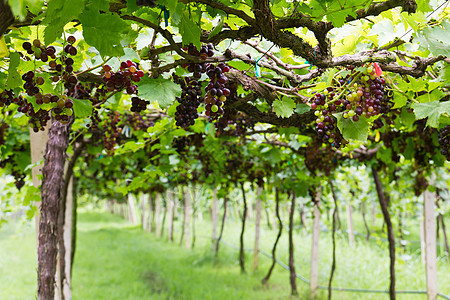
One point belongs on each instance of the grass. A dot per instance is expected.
(115, 260)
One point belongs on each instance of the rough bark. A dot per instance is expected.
(280, 230)
(51, 195)
(241, 244)
(6, 16)
(257, 229)
(225, 200)
(291, 247)
(387, 219)
(333, 264)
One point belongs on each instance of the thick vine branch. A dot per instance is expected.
(223, 7)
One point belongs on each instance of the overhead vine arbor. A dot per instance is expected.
(340, 75)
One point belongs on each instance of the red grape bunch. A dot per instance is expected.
(360, 93)
(444, 141)
(191, 97)
(138, 105)
(124, 78)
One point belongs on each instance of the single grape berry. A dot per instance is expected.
(71, 39)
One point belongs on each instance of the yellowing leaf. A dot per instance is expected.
(3, 48)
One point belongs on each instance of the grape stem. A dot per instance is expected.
(93, 68)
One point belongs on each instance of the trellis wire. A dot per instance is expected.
(286, 267)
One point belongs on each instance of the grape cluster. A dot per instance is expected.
(63, 110)
(111, 131)
(6, 98)
(216, 90)
(31, 83)
(361, 93)
(189, 101)
(444, 141)
(39, 51)
(234, 123)
(124, 78)
(62, 66)
(181, 145)
(138, 105)
(205, 52)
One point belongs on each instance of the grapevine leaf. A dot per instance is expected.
(3, 48)
(217, 29)
(353, 130)
(190, 31)
(162, 90)
(59, 13)
(284, 108)
(82, 108)
(429, 97)
(400, 100)
(302, 108)
(384, 30)
(103, 31)
(432, 111)
(14, 80)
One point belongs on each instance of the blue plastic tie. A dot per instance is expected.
(166, 14)
(257, 68)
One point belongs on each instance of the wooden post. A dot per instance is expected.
(132, 209)
(257, 228)
(171, 215)
(187, 217)
(314, 275)
(430, 244)
(142, 204)
(158, 214)
(351, 233)
(67, 236)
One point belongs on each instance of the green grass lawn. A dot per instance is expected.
(115, 260)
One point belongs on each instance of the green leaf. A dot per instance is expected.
(216, 29)
(400, 100)
(189, 31)
(103, 31)
(284, 108)
(82, 108)
(429, 97)
(407, 118)
(162, 90)
(384, 30)
(59, 13)
(302, 108)
(14, 80)
(432, 111)
(353, 130)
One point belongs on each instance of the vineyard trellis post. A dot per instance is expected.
(430, 244)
